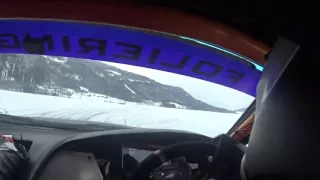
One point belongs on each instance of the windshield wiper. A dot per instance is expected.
(65, 124)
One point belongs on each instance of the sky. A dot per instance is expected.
(213, 94)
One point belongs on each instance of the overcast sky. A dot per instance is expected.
(208, 92)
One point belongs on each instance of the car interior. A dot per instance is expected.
(277, 133)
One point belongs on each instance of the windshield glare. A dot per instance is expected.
(86, 90)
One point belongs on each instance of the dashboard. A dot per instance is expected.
(70, 165)
(102, 155)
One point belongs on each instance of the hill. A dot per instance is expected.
(60, 76)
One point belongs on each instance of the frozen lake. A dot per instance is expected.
(131, 114)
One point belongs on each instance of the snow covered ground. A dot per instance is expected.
(131, 114)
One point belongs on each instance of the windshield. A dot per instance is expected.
(78, 89)
(121, 76)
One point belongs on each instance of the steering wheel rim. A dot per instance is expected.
(154, 160)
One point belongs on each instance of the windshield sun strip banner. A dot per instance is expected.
(126, 46)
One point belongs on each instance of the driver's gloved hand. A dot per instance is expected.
(13, 158)
(227, 160)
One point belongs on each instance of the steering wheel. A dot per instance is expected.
(225, 157)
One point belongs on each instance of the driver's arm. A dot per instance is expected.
(13, 158)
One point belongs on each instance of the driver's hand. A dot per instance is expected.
(227, 160)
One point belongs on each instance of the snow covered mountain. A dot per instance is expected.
(60, 76)
(241, 110)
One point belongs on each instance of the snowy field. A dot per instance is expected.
(131, 114)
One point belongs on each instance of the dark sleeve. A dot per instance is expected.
(13, 158)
